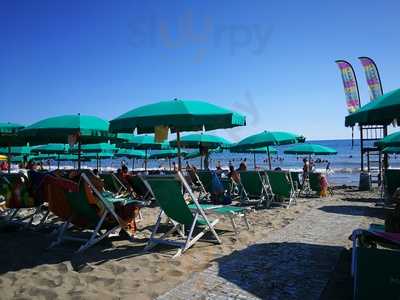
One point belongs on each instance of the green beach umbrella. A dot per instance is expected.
(22, 150)
(179, 116)
(390, 140)
(381, 111)
(131, 154)
(197, 141)
(68, 129)
(267, 139)
(98, 156)
(310, 149)
(391, 150)
(142, 142)
(96, 148)
(9, 137)
(166, 154)
(254, 151)
(51, 149)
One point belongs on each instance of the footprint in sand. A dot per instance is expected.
(175, 273)
(116, 269)
(95, 279)
(42, 293)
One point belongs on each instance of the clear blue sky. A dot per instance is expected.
(271, 60)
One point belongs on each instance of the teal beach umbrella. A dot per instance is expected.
(267, 139)
(69, 129)
(254, 151)
(178, 116)
(9, 137)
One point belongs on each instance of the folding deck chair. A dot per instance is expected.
(282, 187)
(204, 184)
(189, 221)
(295, 176)
(17, 191)
(100, 217)
(255, 188)
(112, 183)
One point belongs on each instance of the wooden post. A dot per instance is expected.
(178, 144)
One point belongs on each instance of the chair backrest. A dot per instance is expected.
(168, 194)
(315, 181)
(138, 185)
(205, 177)
(392, 180)
(281, 183)
(295, 176)
(110, 183)
(17, 191)
(251, 182)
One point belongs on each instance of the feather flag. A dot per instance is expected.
(372, 76)
(350, 85)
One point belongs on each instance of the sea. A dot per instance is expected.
(344, 167)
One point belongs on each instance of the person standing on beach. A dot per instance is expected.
(306, 169)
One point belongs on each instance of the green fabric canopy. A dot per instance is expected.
(181, 115)
(196, 154)
(141, 142)
(381, 111)
(51, 149)
(391, 150)
(10, 128)
(90, 129)
(267, 139)
(96, 148)
(168, 153)
(70, 157)
(98, 155)
(205, 140)
(21, 150)
(130, 153)
(178, 116)
(310, 149)
(390, 140)
(261, 150)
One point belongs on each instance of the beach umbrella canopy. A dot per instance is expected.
(179, 116)
(194, 141)
(21, 150)
(389, 140)
(310, 149)
(391, 150)
(130, 153)
(141, 142)
(168, 153)
(10, 128)
(254, 151)
(381, 111)
(70, 157)
(267, 139)
(62, 129)
(96, 148)
(51, 149)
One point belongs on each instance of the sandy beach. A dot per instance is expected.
(119, 269)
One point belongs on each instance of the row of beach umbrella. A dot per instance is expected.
(93, 138)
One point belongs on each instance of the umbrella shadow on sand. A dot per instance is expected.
(354, 210)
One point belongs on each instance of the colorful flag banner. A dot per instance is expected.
(373, 79)
(350, 85)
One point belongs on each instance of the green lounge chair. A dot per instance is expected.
(295, 175)
(112, 183)
(140, 187)
(16, 202)
(255, 188)
(101, 225)
(282, 187)
(315, 182)
(189, 221)
(391, 181)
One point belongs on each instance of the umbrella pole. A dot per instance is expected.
(133, 164)
(97, 161)
(145, 160)
(254, 156)
(201, 162)
(269, 158)
(58, 161)
(169, 162)
(79, 154)
(178, 143)
(9, 159)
